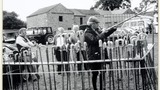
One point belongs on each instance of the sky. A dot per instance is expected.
(26, 7)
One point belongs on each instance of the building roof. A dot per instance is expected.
(123, 11)
(43, 10)
(82, 12)
(102, 12)
(88, 12)
(76, 12)
(46, 9)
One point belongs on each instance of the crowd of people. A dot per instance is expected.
(91, 35)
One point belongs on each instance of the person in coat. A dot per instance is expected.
(92, 36)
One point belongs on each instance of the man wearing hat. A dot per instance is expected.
(92, 36)
(23, 41)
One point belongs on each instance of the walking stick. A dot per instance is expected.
(62, 66)
(82, 65)
(9, 77)
(75, 48)
(145, 75)
(54, 76)
(117, 57)
(129, 55)
(47, 57)
(137, 63)
(120, 50)
(89, 71)
(101, 72)
(126, 42)
(32, 69)
(71, 56)
(72, 59)
(17, 58)
(42, 66)
(104, 64)
(133, 41)
(110, 50)
(68, 49)
(68, 67)
(24, 57)
(38, 65)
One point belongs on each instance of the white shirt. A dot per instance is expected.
(21, 41)
(60, 41)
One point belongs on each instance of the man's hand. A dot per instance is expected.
(108, 29)
(107, 32)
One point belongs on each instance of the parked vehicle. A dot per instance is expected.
(9, 37)
(40, 34)
(140, 24)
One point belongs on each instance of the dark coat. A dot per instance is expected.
(92, 39)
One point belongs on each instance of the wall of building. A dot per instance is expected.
(55, 13)
(53, 21)
(112, 19)
(77, 20)
(37, 21)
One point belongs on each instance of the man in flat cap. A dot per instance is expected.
(21, 42)
(92, 36)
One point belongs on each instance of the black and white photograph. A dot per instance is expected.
(80, 45)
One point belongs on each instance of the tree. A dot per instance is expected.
(144, 5)
(10, 21)
(92, 8)
(137, 10)
(111, 4)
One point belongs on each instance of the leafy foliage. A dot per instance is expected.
(110, 4)
(10, 21)
(144, 4)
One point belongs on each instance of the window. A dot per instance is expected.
(81, 21)
(69, 28)
(140, 23)
(125, 25)
(133, 23)
(61, 18)
(108, 23)
(49, 30)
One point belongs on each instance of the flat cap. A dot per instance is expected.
(92, 19)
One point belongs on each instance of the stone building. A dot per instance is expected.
(109, 18)
(53, 16)
(81, 16)
(59, 16)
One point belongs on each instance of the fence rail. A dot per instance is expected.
(122, 71)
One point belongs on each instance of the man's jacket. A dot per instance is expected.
(92, 39)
